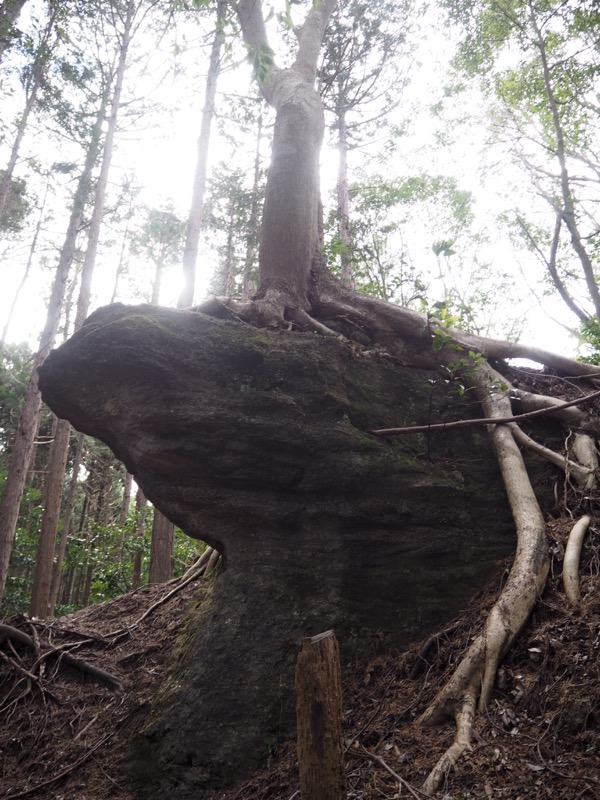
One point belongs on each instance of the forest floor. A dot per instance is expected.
(64, 733)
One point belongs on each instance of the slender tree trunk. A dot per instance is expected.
(52, 496)
(126, 501)
(248, 282)
(194, 223)
(84, 597)
(20, 457)
(123, 514)
(38, 71)
(228, 272)
(9, 14)
(136, 572)
(156, 283)
(121, 264)
(343, 199)
(66, 527)
(66, 590)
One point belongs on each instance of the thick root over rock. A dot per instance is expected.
(474, 679)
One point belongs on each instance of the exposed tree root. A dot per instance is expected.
(473, 680)
(571, 560)
(465, 714)
(584, 476)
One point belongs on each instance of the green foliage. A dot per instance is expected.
(17, 592)
(589, 341)
(17, 207)
(262, 59)
(160, 236)
(364, 52)
(232, 214)
(539, 64)
(15, 371)
(383, 211)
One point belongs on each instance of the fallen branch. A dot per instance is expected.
(8, 632)
(416, 793)
(466, 423)
(571, 561)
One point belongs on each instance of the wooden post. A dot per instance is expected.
(319, 719)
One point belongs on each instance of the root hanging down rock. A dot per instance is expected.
(571, 560)
(473, 681)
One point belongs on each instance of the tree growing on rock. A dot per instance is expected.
(296, 291)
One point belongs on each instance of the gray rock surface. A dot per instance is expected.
(258, 442)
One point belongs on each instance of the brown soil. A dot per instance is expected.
(64, 734)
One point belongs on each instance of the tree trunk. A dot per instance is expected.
(126, 501)
(20, 457)
(51, 501)
(248, 281)
(66, 527)
(286, 259)
(194, 223)
(136, 572)
(343, 199)
(161, 549)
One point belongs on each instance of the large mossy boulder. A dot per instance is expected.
(259, 443)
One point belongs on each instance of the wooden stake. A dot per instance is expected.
(319, 719)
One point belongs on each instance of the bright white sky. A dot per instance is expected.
(164, 163)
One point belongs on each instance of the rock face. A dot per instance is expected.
(258, 442)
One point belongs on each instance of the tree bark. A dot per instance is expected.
(319, 716)
(51, 501)
(194, 223)
(289, 233)
(248, 281)
(136, 572)
(66, 527)
(161, 549)
(343, 199)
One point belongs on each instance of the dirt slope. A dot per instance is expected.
(64, 733)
